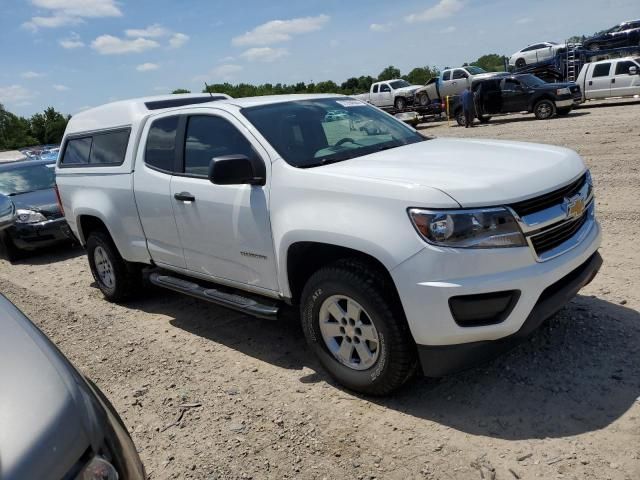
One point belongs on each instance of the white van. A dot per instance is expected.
(618, 77)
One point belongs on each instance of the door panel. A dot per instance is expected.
(386, 96)
(514, 98)
(225, 232)
(624, 84)
(599, 81)
(152, 189)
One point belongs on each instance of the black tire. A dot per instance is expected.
(9, 250)
(423, 100)
(127, 277)
(459, 115)
(563, 111)
(396, 359)
(400, 103)
(520, 63)
(544, 109)
(484, 118)
(593, 47)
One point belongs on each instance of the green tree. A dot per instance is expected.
(14, 131)
(421, 75)
(49, 126)
(180, 90)
(389, 73)
(491, 62)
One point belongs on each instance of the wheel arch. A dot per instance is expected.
(304, 258)
(543, 96)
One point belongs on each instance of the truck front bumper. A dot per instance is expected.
(521, 291)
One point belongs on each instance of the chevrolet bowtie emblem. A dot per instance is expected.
(574, 206)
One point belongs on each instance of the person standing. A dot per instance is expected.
(468, 107)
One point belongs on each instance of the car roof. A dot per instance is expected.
(127, 112)
(22, 163)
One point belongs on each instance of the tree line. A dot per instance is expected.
(417, 76)
(42, 128)
(48, 126)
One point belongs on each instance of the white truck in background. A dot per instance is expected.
(396, 93)
(618, 77)
(399, 251)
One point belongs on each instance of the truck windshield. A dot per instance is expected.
(399, 84)
(17, 180)
(475, 70)
(310, 133)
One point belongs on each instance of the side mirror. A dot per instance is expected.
(633, 70)
(7, 212)
(237, 170)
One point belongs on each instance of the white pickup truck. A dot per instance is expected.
(399, 250)
(396, 94)
(619, 77)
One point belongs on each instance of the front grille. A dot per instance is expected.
(556, 197)
(553, 237)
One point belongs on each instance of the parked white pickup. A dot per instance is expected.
(618, 77)
(396, 93)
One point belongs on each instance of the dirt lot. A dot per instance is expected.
(564, 405)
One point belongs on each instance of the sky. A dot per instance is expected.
(75, 54)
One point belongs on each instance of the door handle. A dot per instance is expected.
(184, 197)
(613, 80)
(590, 83)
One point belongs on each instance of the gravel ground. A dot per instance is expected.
(208, 393)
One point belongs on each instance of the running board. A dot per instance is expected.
(234, 301)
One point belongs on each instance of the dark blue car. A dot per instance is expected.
(626, 34)
(39, 221)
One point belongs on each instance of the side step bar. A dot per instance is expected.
(234, 301)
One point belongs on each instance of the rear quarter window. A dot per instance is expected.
(160, 152)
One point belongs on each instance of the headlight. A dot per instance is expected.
(98, 469)
(29, 216)
(482, 228)
(563, 91)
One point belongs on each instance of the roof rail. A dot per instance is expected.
(181, 101)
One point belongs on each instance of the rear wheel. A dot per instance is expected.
(460, 117)
(117, 279)
(357, 329)
(400, 103)
(544, 109)
(594, 47)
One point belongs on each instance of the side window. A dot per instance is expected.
(109, 148)
(385, 88)
(622, 67)
(511, 84)
(447, 75)
(160, 151)
(459, 74)
(209, 137)
(375, 89)
(601, 70)
(77, 151)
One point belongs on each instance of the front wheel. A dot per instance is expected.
(117, 279)
(594, 47)
(520, 63)
(544, 109)
(400, 103)
(460, 118)
(357, 329)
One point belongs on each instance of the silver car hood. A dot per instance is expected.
(42, 419)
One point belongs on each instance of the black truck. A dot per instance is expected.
(508, 93)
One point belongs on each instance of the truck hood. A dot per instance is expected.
(473, 172)
(410, 89)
